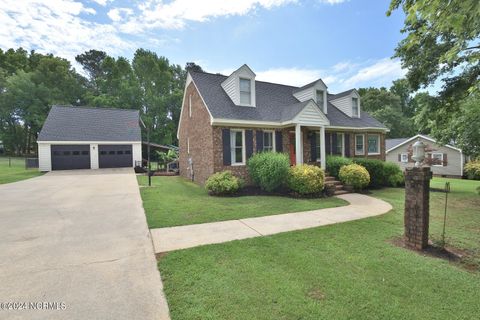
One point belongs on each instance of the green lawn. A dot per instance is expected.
(345, 271)
(16, 171)
(174, 201)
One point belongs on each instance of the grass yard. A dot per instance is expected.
(344, 271)
(16, 171)
(174, 201)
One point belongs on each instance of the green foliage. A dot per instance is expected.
(472, 170)
(223, 183)
(375, 169)
(269, 170)
(334, 163)
(393, 175)
(306, 179)
(354, 175)
(165, 157)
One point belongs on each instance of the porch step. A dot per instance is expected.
(338, 185)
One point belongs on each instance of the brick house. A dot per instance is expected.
(224, 120)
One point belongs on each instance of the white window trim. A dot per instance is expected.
(240, 92)
(358, 108)
(232, 148)
(437, 165)
(274, 147)
(401, 157)
(188, 145)
(318, 146)
(343, 143)
(379, 146)
(190, 105)
(363, 145)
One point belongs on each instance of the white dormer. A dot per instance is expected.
(240, 86)
(348, 102)
(316, 91)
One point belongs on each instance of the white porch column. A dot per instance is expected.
(323, 159)
(298, 144)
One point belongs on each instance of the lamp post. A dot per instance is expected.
(418, 153)
(148, 153)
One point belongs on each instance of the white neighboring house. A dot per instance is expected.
(445, 160)
(89, 138)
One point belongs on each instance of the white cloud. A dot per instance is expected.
(175, 14)
(55, 26)
(102, 2)
(289, 76)
(381, 71)
(341, 76)
(119, 14)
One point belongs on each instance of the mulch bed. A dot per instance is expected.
(448, 253)
(256, 191)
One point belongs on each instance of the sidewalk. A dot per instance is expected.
(182, 237)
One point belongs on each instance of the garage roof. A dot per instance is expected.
(67, 123)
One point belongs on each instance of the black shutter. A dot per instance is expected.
(334, 143)
(347, 144)
(249, 143)
(328, 143)
(278, 141)
(259, 140)
(227, 156)
(313, 146)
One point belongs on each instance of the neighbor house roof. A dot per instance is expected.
(274, 103)
(67, 123)
(391, 144)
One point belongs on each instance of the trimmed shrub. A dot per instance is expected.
(269, 170)
(393, 175)
(354, 175)
(306, 179)
(334, 163)
(375, 169)
(223, 183)
(472, 170)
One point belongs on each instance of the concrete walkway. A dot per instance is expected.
(174, 238)
(78, 239)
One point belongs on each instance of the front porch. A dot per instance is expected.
(315, 143)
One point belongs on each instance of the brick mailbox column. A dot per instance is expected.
(417, 196)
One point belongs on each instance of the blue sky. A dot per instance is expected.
(347, 43)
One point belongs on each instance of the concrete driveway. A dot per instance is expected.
(79, 241)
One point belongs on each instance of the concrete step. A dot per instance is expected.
(334, 182)
(339, 192)
(339, 187)
(329, 178)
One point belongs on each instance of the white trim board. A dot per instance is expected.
(423, 137)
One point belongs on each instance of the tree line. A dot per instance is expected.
(30, 83)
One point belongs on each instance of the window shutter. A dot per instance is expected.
(334, 143)
(347, 144)
(278, 141)
(399, 157)
(445, 161)
(313, 146)
(259, 140)
(328, 144)
(248, 143)
(227, 156)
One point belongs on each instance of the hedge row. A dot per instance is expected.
(382, 174)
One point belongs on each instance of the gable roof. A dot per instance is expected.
(311, 84)
(341, 94)
(274, 103)
(393, 143)
(67, 123)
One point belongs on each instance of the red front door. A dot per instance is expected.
(293, 157)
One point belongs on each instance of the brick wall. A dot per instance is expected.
(198, 131)
(352, 134)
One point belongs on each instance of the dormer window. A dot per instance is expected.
(320, 98)
(245, 92)
(355, 111)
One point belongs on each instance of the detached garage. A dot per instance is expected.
(89, 138)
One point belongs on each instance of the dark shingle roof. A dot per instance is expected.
(67, 123)
(274, 102)
(390, 143)
(340, 95)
